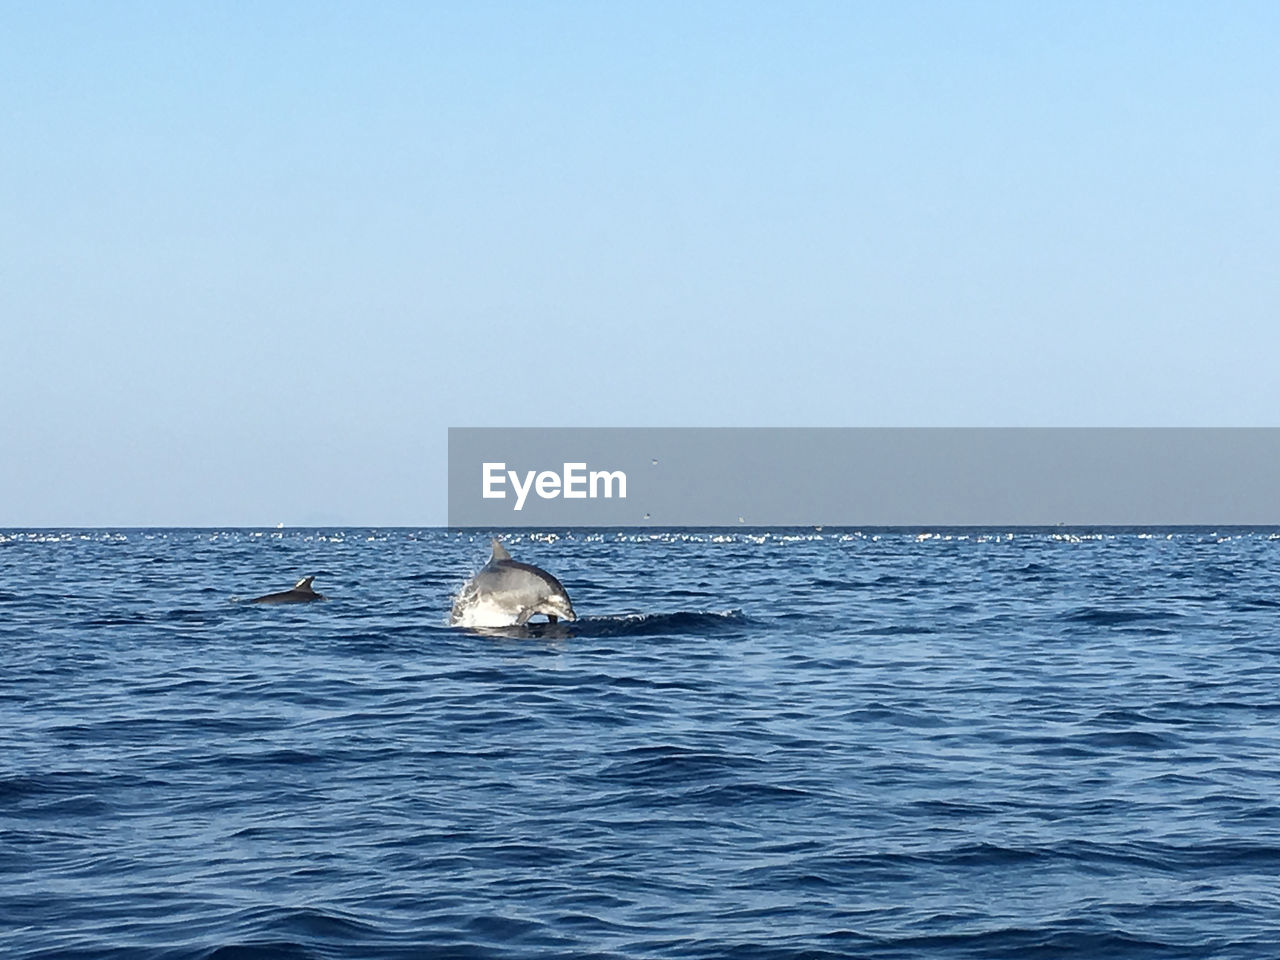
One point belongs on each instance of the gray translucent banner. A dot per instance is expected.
(677, 477)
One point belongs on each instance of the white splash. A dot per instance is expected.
(473, 611)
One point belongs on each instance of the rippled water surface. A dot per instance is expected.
(882, 744)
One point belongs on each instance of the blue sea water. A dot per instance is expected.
(754, 744)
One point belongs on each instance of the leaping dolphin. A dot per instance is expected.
(301, 593)
(507, 593)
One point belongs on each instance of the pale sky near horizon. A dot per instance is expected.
(257, 258)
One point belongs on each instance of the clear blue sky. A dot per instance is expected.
(255, 259)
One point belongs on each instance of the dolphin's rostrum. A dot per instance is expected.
(301, 593)
(507, 593)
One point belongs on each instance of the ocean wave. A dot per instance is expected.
(777, 745)
(681, 623)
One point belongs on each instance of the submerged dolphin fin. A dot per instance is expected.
(499, 552)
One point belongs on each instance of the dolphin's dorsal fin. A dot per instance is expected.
(304, 585)
(499, 552)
